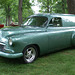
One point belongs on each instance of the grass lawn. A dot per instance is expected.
(59, 63)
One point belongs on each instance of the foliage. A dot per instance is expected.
(53, 6)
(59, 63)
(2, 17)
(46, 5)
(9, 8)
(26, 9)
(60, 7)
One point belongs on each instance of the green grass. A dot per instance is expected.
(59, 63)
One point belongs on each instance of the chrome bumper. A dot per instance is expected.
(7, 55)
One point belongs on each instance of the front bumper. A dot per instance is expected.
(7, 55)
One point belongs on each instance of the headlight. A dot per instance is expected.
(10, 41)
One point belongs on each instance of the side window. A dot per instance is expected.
(56, 22)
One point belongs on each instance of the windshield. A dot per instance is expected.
(36, 21)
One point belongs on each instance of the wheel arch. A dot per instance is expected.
(37, 46)
(73, 39)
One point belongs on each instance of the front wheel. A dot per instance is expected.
(30, 54)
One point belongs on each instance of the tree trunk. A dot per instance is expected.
(47, 6)
(20, 13)
(71, 6)
(9, 20)
(63, 6)
(9, 17)
(6, 20)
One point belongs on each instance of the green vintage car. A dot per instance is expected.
(38, 35)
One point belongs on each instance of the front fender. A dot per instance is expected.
(21, 41)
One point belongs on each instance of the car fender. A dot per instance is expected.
(40, 39)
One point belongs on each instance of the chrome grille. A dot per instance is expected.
(2, 47)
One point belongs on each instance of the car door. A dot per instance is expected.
(59, 37)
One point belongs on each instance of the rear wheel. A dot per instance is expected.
(30, 54)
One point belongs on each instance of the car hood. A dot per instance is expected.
(10, 31)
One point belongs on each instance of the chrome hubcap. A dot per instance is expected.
(30, 54)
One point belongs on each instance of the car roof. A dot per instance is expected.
(53, 15)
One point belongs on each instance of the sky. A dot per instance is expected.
(35, 8)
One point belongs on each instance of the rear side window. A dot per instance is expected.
(56, 22)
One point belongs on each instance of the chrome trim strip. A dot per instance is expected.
(8, 50)
(2, 43)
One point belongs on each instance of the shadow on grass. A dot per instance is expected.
(11, 61)
(19, 61)
(59, 51)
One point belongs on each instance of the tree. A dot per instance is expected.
(9, 10)
(8, 7)
(60, 6)
(63, 6)
(24, 10)
(20, 13)
(71, 6)
(46, 5)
